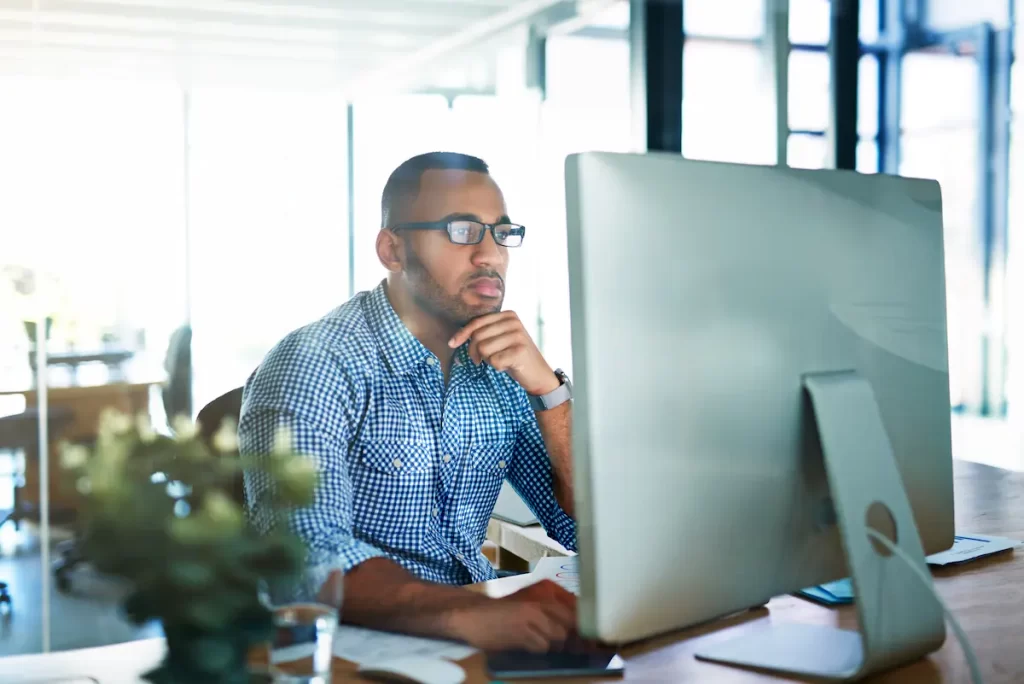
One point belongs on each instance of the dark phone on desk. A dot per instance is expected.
(524, 665)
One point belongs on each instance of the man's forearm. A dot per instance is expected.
(556, 428)
(381, 594)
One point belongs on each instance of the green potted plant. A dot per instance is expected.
(158, 514)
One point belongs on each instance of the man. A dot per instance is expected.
(418, 400)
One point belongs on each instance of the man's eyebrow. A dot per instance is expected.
(462, 216)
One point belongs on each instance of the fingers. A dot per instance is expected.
(553, 591)
(565, 617)
(496, 338)
(493, 338)
(544, 622)
(477, 323)
(533, 639)
(500, 358)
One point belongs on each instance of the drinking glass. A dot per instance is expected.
(306, 615)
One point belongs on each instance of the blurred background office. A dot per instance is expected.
(183, 182)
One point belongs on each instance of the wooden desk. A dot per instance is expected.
(84, 403)
(986, 596)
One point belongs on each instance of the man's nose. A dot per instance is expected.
(487, 251)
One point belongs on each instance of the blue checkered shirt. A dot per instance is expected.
(410, 469)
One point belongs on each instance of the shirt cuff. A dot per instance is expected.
(562, 529)
(345, 559)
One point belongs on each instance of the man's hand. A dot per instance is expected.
(537, 618)
(501, 340)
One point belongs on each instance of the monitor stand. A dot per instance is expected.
(900, 621)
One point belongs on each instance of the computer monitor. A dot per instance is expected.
(713, 306)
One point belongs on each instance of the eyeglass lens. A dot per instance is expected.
(471, 232)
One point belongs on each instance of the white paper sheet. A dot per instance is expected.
(363, 646)
(970, 546)
(563, 571)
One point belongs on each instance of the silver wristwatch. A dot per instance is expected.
(555, 397)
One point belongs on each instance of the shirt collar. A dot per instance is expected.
(401, 350)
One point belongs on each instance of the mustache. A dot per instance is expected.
(487, 274)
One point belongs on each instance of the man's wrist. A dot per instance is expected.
(552, 383)
(459, 622)
(557, 395)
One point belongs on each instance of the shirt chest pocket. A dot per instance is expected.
(393, 458)
(393, 484)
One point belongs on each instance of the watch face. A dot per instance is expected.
(565, 380)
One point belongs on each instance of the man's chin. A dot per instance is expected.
(477, 309)
(482, 305)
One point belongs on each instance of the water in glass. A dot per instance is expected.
(303, 641)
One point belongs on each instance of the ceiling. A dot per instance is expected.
(360, 45)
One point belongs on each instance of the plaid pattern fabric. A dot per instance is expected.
(410, 469)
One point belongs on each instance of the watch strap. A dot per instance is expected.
(555, 397)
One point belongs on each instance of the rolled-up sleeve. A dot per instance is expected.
(531, 476)
(307, 392)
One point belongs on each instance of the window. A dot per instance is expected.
(867, 96)
(269, 228)
(809, 97)
(727, 103)
(93, 194)
(386, 132)
(504, 132)
(807, 151)
(951, 158)
(738, 19)
(809, 21)
(938, 91)
(584, 70)
(587, 108)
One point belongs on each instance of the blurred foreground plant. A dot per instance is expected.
(158, 512)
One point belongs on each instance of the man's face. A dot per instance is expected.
(456, 283)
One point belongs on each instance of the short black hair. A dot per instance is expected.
(404, 182)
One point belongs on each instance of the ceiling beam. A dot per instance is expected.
(161, 27)
(400, 72)
(381, 13)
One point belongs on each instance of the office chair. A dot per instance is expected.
(20, 432)
(177, 392)
(227, 405)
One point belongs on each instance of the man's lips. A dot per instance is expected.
(486, 287)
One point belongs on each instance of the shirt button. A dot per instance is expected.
(459, 556)
(501, 464)
(431, 361)
(447, 458)
(434, 512)
(397, 463)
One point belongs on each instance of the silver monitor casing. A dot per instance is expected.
(701, 295)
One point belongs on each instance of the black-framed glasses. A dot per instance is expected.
(465, 232)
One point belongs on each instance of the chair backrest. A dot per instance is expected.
(177, 393)
(227, 405)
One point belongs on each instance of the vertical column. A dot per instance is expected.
(844, 48)
(656, 74)
(350, 179)
(994, 55)
(890, 77)
(777, 45)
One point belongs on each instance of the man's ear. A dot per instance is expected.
(389, 250)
